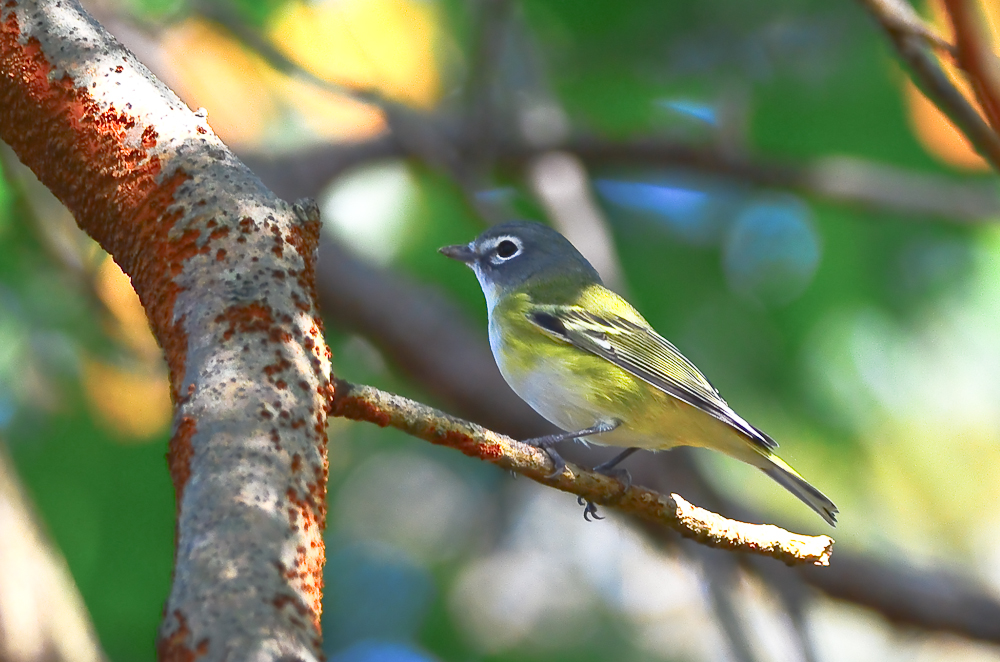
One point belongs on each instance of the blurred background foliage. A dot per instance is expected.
(863, 337)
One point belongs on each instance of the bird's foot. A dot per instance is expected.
(611, 470)
(558, 463)
(620, 474)
(547, 444)
(589, 509)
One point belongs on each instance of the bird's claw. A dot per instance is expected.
(558, 463)
(589, 509)
(620, 474)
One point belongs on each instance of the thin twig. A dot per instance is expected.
(899, 16)
(933, 81)
(365, 403)
(976, 56)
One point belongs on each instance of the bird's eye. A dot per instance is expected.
(507, 249)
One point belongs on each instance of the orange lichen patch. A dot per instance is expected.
(358, 410)
(218, 233)
(469, 446)
(283, 600)
(304, 238)
(151, 274)
(136, 403)
(253, 317)
(110, 182)
(281, 365)
(179, 454)
(310, 577)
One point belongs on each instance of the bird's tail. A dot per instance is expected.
(789, 479)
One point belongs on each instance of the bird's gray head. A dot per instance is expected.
(511, 255)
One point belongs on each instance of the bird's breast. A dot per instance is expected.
(574, 389)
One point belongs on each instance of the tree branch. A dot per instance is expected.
(365, 403)
(226, 274)
(899, 16)
(932, 80)
(42, 616)
(842, 180)
(976, 56)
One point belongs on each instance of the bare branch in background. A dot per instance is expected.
(42, 616)
(364, 403)
(927, 73)
(898, 16)
(721, 576)
(227, 16)
(561, 184)
(481, 82)
(842, 180)
(976, 55)
(927, 598)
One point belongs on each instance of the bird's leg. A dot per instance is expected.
(608, 469)
(547, 442)
(621, 474)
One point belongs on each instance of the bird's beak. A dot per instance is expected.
(460, 252)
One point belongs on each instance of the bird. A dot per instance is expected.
(588, 362)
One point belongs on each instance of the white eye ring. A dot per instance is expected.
(502, 253)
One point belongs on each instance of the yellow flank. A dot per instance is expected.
(575, 389)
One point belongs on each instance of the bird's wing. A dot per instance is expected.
(642, 352)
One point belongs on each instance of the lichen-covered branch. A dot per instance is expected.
(225, 271)
(365, 403)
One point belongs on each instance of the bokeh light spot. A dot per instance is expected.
(772, 251)
(685, 209)
(381, 651)
(369, 208)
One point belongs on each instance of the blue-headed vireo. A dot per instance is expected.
(584, 359)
